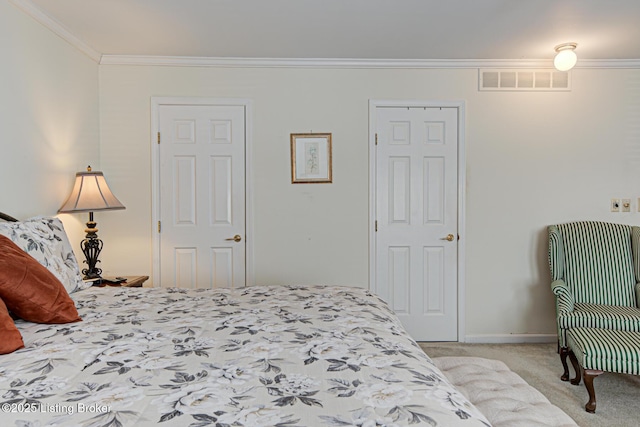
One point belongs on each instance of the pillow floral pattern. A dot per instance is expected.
(279, 356)
(45, 239)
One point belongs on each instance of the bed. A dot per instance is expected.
(257, 356)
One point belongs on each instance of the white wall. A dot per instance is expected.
(532, 159)
(49, 119)
(536, 159)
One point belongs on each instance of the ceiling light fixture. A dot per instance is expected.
(566, 57)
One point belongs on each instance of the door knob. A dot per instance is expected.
(236, 238)
(449, 238)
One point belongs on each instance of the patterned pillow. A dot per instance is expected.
(45, 240)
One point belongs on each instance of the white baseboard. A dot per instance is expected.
(510, 338)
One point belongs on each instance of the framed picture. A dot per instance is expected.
(310, 158)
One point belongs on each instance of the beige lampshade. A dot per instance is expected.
(90, 193)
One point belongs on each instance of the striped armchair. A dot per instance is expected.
(595, 276)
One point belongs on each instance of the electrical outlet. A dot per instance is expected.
(615, 205)
(626, 205)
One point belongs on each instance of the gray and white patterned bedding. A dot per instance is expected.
(259, 356)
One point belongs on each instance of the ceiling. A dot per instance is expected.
(351, 29)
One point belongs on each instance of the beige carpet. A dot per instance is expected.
(618, 396)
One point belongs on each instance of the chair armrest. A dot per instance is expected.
(565, 301)
(638, 294)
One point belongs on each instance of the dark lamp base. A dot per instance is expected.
(91, 247)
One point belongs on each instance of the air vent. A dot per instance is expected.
(523, 80)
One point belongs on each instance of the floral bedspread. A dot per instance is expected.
(259, 356)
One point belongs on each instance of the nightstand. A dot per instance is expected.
(132, 281)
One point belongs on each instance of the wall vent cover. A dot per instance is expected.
(524, 80)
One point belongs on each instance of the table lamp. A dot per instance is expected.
(91, 193)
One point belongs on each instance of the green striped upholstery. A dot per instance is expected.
(556, 253)
(598, 265)
(635, 251)
(606, 350)
(600, 316)
(595, 268)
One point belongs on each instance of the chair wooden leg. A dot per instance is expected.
(576, 367)
(589, 375)
(564, 351)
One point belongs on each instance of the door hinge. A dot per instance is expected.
(159, 226)
(376, 139)
(158, 137)
(376, 226)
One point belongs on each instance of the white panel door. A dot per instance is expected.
(202, 196)
(416, 213)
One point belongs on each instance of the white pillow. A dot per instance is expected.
(45, 240)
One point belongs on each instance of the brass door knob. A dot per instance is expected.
(236, 238)
(449, 238)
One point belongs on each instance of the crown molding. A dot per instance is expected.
(608, 63)
(56, 27)
(193, 61)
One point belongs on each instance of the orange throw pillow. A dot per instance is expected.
(29, 290)
(10, 338)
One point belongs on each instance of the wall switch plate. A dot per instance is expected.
(626, 205)
(615, 205)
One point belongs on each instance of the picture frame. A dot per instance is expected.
(311, 158)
